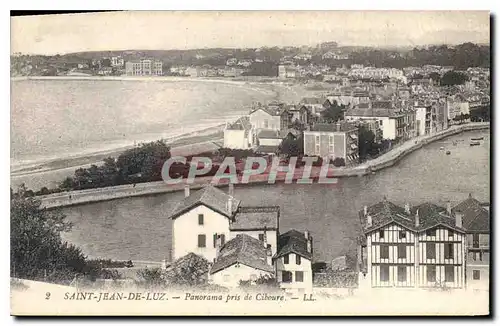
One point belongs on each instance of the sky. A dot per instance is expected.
(165, 30)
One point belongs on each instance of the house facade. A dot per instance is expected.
(239, 135)
(338, 140)
(419, 247)
(270, 118)
(476, 219)
(144, 67)
(293, 261)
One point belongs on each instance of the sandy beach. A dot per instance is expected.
(49, 172)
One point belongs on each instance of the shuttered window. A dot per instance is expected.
(202, 241)
(401, 273)
(299, 276)
(401, 251)
(449, 273)
(384, 251)
(431, 273)
(297, 259)
(384, 273)
(448, 251)
(431, 250)
(286, 259)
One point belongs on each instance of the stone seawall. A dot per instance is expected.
(143, 189)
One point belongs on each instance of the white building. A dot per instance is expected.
(209, 214)
(243, 258)
(293, 261)
(239, 135)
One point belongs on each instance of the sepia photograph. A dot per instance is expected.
(244, 163)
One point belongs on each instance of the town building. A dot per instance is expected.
(272, 117)
(242, 258)
(298, 113)
(144, 67)
(339, 140)
(239, 135)
(315, 105)
(421, 247)
(117, 62)
(395, 124)
(476, 220)
(457, 107)
(287, 71)
(293, 261)
(209, 214)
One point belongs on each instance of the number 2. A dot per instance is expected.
(47, 296)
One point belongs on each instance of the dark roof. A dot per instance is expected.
(245, 250)
(333, 127)
(312, 100)
(266, 149)
(209, 196)
(266, 133)
(256, 218)
(432, 215)
(385, 212)
(363, 111)
(476, 218)
(295, 242)
(382, 105)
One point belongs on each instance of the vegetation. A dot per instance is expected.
(37, 249)
(333, 113)
(292, 147)
(481, 113)
(452, 78)
(263, 282)
(338, 162)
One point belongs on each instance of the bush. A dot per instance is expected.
(338, 162)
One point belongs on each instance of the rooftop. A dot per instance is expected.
(267, 133)
(256, 218)
(245, 250)
(476, 218)
(209, 196)
(333, 127)
(242, 123)
(385, 212)
(295, 242)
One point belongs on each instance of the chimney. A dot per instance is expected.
(218, 245)
(417, 219)
(458, 219)
(309, 241)
(448, 207)
(186, 190)
(230, 205)
(368, 220)
(164, 264)
(365, 210)
(407, 208)
(231, 190)
(470, 195)
(265, 238)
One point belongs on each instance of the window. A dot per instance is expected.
(402, 234)
(261, 237)
(431, 273)
(286, 277)
(226, 277)
(202, 239)
(266, 124)
(384, 251)
(475, 240)
(431, 250)
(286, 259)
(222, 239)
(215, 240)
(401, 251)
(384, 273)
(448, 250)
(476, 274)
(297, 259)
(449, 273)
(381, 234)
(401, 273)
(431, 233)
(450, 234)
(200, 219)
(299, 276)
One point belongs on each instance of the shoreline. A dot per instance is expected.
(143, 189)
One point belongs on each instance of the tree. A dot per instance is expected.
(367, 144)
(451, 78)
(333, 113)
(292, 147)
(338, 162)
(37, 251)
(146, 160)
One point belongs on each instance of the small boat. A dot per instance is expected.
(448, 152)
(478, 138)
(441, 148)
(475, 143)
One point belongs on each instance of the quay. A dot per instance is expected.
(386, 160)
